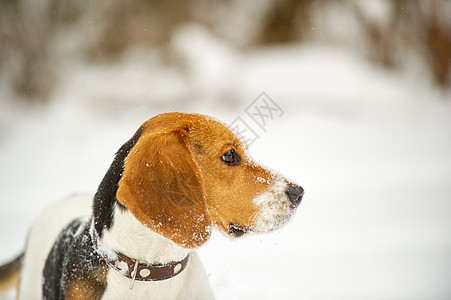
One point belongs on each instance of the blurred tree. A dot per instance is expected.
(421, 27)
(286, 20)
(439, 41)
(124, 24)
(38, 37)
(24, 51)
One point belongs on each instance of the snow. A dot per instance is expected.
(371, 148)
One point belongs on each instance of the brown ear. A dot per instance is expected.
(161, 187)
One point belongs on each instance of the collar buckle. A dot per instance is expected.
(135, 270)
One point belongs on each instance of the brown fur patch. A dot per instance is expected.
(161, 187)
(10, 274)
(79, 290)
(230, 190)
(10, 282)
(90, 287)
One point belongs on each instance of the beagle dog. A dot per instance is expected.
(179, 176)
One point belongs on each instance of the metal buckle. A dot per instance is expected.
(135, 270)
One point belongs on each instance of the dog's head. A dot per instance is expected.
(187, 172)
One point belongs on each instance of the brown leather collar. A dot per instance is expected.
(136, 270)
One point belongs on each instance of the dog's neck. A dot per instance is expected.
(130, 237)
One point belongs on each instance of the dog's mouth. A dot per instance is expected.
(265, 224)
(237, 230)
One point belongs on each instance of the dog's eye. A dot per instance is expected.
(231, 158)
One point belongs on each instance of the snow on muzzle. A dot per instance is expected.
(276, 206)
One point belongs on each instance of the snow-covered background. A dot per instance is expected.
(371, 147)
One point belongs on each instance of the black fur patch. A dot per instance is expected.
(73, 260)
(105, 197)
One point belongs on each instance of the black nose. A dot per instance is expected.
(294, 193)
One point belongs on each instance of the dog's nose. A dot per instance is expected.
(294, 193)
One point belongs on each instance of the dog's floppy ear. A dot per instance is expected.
(162, 188)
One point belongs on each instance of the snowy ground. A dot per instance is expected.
(371, 148)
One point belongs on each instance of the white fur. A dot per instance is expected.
(132, 238)
(274, 208)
